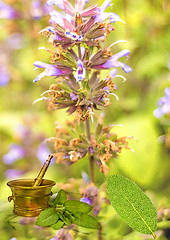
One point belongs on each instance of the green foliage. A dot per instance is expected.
(132, 204)
(64, 212)
(85, 220)
(47, 217)
(77, 206)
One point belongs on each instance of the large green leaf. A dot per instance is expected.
(85, 220)
(131, 203)
(77, 206)
(47, 217)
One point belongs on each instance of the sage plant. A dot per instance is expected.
(77, 58)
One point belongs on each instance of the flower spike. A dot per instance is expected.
(77, 36)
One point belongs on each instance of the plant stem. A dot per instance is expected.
(100, 234)
(91, 158)
(79, 51)
(91, 168)
(88, 133)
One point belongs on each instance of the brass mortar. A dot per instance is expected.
(30, 200)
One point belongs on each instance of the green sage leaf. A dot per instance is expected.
(77, 206)
(132, 204)
(86, 220)
(60, 198)
(58, 225)
(47, 217)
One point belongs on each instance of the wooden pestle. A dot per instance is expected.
(42, 172)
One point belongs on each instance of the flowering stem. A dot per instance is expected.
(91, 168)
(79, 51)
(88, 133)
(91, 158)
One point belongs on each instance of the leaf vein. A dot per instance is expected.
(140, 216)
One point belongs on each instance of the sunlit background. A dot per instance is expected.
(24, 126)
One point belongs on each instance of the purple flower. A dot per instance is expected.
(56, 17)
(105, 5)
(163, 104)
(63, 5)
(126, 68)
(4, 75)
(7, 11)
(27, 220)
(58, 34)
(79, 5)
(68, 34)
(50, 70)
(113, 17)
(51, 30)
(81, 72)
(73, 96)
(23, 133)
(102, 16)
(85, 177)
(91, 11)
(36, 9)
(43, 152)
(63, 234)
(13, 173)
(15, 152)
(15, 41)
(113, 73)
(112, 62)
(86, 200)
(73, 36)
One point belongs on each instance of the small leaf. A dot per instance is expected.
(131, 203)
(58, 225)
(86, 220)
(47, 217)
(68, 215)
(77, 206)
(66, 220)
(60, 198)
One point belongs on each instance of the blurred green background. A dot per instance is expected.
(26, 125)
